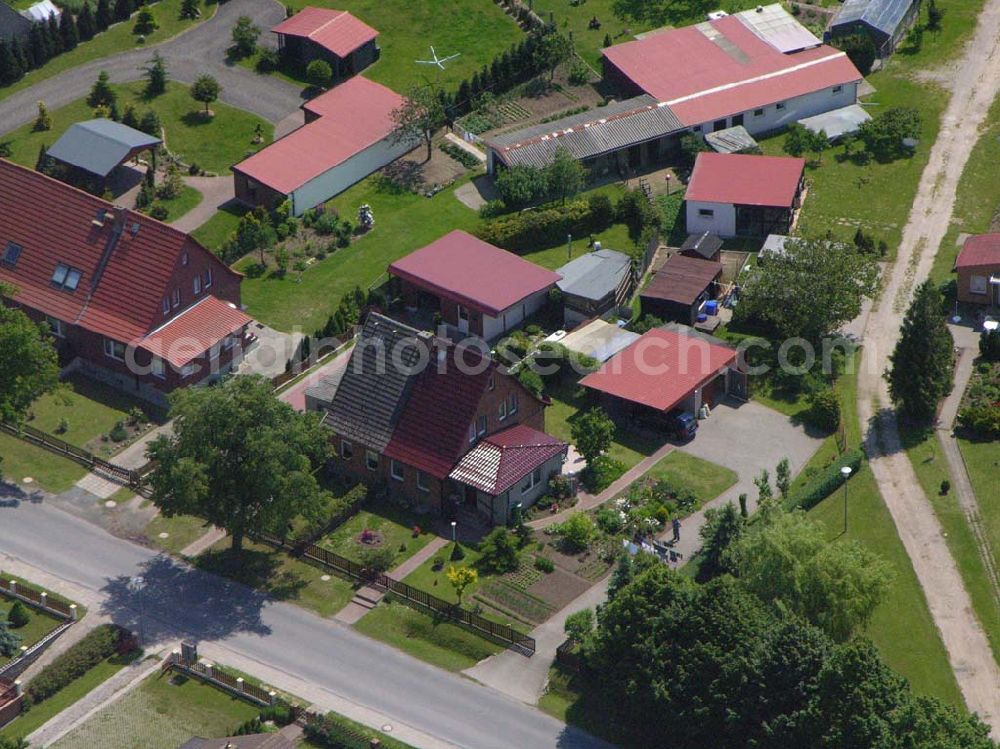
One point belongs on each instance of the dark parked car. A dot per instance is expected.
(682, 424)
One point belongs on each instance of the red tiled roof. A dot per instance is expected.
(54, 223)
(335, 30)
(433, 428)
(682, 279)
(501, 460)
(743, 179)
(660, 369)
(701, 81)
(354, 115)
(465, 269)
(195, 330)
(981, 249)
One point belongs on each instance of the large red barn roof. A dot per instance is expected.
(465, 269)
(353, 116)
(745, 179)
(660, 369)
(335, 30)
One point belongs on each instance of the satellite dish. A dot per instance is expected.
(439, 61)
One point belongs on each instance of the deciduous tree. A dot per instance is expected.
(245, 35)
(592, 433)
(319, 73)
(206, 90)
(461, 577)
(419, 117)
(565, 175)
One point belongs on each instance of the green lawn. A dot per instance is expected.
(280, 576)
(40, 714)
(426, 578)
(49, 471)
(568, 400)
(217, 229)
(214, 144)
(438, 642)
(393, 524)
(403, 222)
(182, 530)
(39, 625)
(164, 712)
(477, 30)
(706, 479)
(118, 38)
(177, 207)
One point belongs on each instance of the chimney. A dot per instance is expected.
(119, 224)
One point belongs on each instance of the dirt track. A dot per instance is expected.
(974, 81)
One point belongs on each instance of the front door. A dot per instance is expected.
(470, 496)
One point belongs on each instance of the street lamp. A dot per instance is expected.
(454, 524)
(136, 585)
(846, 473)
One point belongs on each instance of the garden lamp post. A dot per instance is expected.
(668, 183)
(136, 585)
(846, 473)
(454, 525)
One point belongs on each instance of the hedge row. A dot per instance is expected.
(545, 226)
(333, 732)
(826, 482)
(100, 643)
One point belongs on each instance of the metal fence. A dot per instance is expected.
(502, 633)
(38, 598)
(237, 685)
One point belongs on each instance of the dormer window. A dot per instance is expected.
(10, 254)
(66, 278)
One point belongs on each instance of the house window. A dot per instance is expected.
(187, 370)
(10, 254)
(346, 450)
(197, 285)
(371, 460)
(185, 259)
(114, 349)
(208, 278)
(696, 129)
(482, 425)
(493, 382)
(228, 342)
(422, 483)
(56, 326)
(978, 284)
(157, 369)
(472, 433)
(837, 90)
(502, 410)
(512, 404)
(706, 212)
(532, 480)
(175, 298)
(166, 305)
(780, 106)
(396, 470)
(66, 278)
(758, 113)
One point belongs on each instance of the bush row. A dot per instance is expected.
(100, 643)
(548, 225)
(333, 732)
(826, 482)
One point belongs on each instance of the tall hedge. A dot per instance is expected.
(100, 643)
(543, 227)
(826, 482)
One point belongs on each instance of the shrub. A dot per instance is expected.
(609, 521)
(18, 615)
(945, 487)
(159, 212)
(97, 645)
(268, 61)
(319, 73)
(560, 487)
(579, 625)
(118, 432)
(982, 418)
(9, 642)
(460, 155)
(544, 564)
(325, 224)
(498, 552)
(531, 380)
(576, 532)
(457, 552)
(136, 416)
(601, 472)
(542, 227)
(521, 185)
(989, 345)
(824, 410)
(826, 482)
(377, 558)
(602, 211)
(579, 74)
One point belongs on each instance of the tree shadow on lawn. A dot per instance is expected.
(196, 118)
(180, 601)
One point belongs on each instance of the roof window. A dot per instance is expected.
(10, 254)
(66, 278)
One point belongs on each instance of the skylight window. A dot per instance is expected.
(66, 278)
(10, 254)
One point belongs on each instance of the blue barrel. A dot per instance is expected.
(711, 307)
(702, 317)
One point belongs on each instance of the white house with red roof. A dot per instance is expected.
(348, 134)
(742, 195)
(343, 40)
(978, 269)
(477, 288)
(130, 300)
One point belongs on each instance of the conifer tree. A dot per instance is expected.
(86, 26)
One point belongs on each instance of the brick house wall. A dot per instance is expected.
(965, 285)
(255, 193)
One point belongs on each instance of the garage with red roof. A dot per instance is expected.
(343, 40)
(667, 368)
(978, 269)
(477, 288)
(349, 133)
(741, 195)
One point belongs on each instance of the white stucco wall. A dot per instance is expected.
(512, 316)
(347, 173)
(723, 222)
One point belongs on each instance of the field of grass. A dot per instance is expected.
(476, 30)
(280, 576)
(40, 714)
(49, 471)
(89, 407)
(438, 642)
(706, 479)
(182, 530)
(214, 232)
(39, 625)
(392, 523)
(214, 144)
(118, 38)
(177, 207)
(164, 712)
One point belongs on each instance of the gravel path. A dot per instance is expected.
(200, 50)
(974, 83)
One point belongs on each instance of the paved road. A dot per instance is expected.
(192, 53)
(182, 602)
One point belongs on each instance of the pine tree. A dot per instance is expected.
(113, 112)
(68, 31)
(103, 17)
(44, 120)
(190, 9)
(921, 372)
(55, 37)
(17, 50)
(155, 74)
(145, 23)
(38, 43)
(150, 124)
(101, 92)
(123, 9)
(129, 116)
(86, 27)
(42, 162)
(8, 65)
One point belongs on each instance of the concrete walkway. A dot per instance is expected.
(86, 707)
(206, 542)
(134, 456)
(215, 192)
